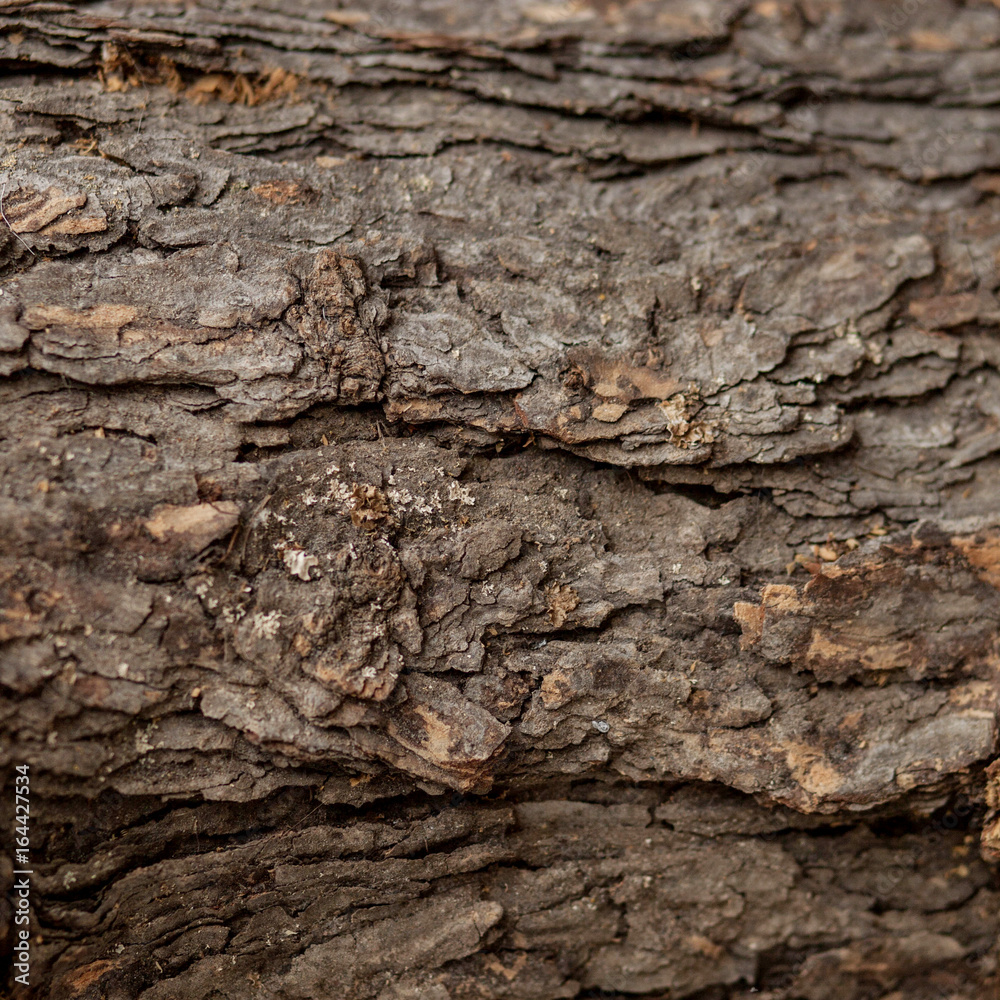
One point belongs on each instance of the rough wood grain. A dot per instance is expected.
(503, 500)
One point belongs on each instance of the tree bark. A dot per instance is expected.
(502, 500)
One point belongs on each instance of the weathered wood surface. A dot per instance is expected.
(503, 500)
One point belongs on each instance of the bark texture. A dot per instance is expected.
(502, 500)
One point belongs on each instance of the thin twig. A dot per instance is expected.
(142, 83)
(3, 215)
(249, 523)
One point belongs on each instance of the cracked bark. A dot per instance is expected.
(502, 500)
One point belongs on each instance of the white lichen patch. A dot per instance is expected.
(266, 625)
(232, 615)
(456, 491)
(400, 498)
(404, 500)
(143, 744)
(341, 493)
(299, 562)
